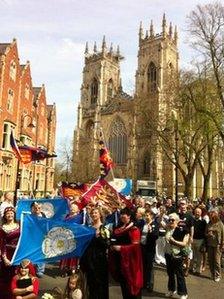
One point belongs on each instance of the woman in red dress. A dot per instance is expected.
(9, 235)
(125, 256)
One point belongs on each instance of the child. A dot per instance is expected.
(75, 288)
(24, 285)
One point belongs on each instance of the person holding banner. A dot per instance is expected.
(94, 262)
(66, 265)
(125, 258)
(36, 210)
(9, 236)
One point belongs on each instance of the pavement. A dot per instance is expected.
(198, 287)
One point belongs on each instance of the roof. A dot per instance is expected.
(3, 47)
(36, 90)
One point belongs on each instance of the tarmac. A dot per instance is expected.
(199, 287)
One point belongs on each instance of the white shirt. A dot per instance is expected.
(76, 294)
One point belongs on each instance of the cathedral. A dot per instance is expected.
(122, 118)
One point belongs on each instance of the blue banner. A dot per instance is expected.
(57, 207)
(49, 240)
(123, 186)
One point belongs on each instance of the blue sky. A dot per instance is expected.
(51, 34)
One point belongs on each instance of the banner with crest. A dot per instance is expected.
(50, 239)
(101, 193)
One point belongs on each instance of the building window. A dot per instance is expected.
(7, 129)
(118, 142)
(110, 90)
(152, 77)
(12, 71)
(27, 92)
(94, 91)
(10, 100)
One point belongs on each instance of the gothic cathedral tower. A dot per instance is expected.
(101, 82)
(157, 60)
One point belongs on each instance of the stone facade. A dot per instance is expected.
(21, 105)
(126, 120)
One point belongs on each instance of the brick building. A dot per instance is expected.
(24, 110)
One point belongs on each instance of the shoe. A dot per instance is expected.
(183, 296)
(217, 279)
(170, 294)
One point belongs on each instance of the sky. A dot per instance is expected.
(51, 34)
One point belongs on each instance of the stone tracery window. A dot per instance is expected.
(118, 142)
(152, 77)
(94, 91)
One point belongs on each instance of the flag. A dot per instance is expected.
(106, 162)
(15, 147)
(123, 186)
(73, 189)
(49, 240)
(103, 194)
(30, 154)
(57, 207)
(27, 154)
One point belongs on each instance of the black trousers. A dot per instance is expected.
(148, 259)
(174, 268)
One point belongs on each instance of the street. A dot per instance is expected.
(198, 287)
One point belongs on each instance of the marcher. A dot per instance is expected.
(125, 256)
(94, 262)
(68, 264)
(36, 210)
(149, 236)
(198, 244)
(7, 202)
(9, 235)
(177, 238)
(24, 284)
(215, 244)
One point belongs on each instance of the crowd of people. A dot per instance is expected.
(127, 245)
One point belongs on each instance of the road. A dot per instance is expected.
(198, 287)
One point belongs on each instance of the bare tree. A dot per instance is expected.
(206, 28)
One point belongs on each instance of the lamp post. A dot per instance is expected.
(18, 173)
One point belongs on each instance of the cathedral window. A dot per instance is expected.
(94, 91)
(152, 77)
(110, 89)
(118, 142)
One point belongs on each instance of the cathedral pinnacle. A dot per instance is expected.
(170, 30)
(164, 25)
(87, 49)
(140, 32)
(175, 35)
(118, 50)
(104, 46)
(111, 48)
(151, 29)
(95, 48)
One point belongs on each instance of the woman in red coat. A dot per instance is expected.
(126, 258)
